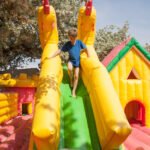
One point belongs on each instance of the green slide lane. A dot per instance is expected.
(78, 130)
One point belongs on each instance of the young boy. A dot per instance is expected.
(73, 47)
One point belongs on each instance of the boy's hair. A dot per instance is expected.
(72, 32)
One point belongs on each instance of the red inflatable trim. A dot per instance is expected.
(46, 6)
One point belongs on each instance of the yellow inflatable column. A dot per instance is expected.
(112, 125)
(46, 121)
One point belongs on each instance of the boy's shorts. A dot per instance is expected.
(75, 63)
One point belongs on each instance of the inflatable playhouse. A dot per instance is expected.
(40, 113)
(129, 68)
(16, 108)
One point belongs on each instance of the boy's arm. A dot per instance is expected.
(87, 51)
(84, 48)
(54, 54)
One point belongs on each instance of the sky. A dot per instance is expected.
(117, 12)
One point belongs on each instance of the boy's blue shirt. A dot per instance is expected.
(74, 51)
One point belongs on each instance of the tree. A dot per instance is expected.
(109, 37)
(19, 32)
(147, 47)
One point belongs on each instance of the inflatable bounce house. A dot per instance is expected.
(67, 124)
(16, 107)
(96, 119)
(129, 68)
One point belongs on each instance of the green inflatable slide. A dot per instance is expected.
(78, 130)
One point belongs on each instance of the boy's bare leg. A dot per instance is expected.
(70, 72)
(75, 83)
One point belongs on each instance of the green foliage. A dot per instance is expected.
(19, 30)
(147, 47)
(109, 37)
